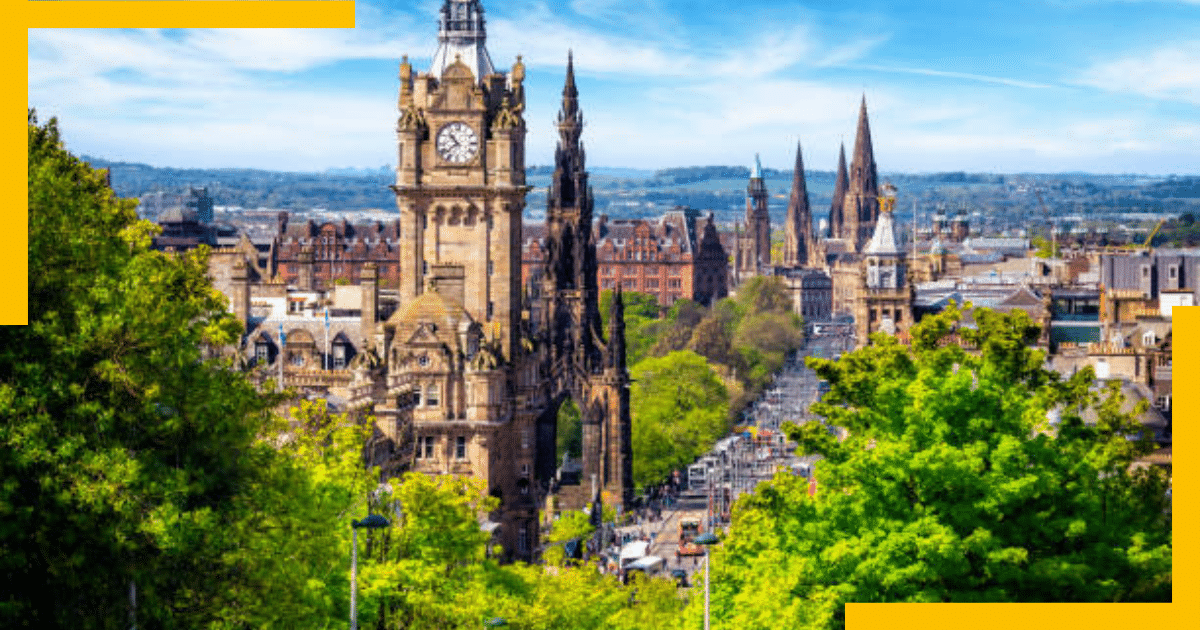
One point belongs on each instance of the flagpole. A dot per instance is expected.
(326, 338)
(282, 341)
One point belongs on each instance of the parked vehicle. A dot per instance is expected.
(689, 528)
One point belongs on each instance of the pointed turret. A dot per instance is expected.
(797, 240)
(837, 220)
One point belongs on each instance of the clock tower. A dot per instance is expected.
(460, 176)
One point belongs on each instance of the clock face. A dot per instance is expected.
(457, 143)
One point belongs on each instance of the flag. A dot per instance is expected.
(326, 318)
(282, 339)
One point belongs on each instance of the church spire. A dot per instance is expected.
(836, 209)
(863, 178)
(798, 227)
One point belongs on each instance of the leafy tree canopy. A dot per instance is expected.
(123, 450)
(951, 487)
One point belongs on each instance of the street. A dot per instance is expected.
(736, 465)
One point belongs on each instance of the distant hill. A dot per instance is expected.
(629, 193)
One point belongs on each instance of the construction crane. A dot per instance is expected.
(1146, 245)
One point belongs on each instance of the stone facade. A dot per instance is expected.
(467, 375)
(886, 295)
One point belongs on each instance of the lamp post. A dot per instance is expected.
(707, 539)
(372, 521)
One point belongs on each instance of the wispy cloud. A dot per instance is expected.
(953, 75)
(1169, 72)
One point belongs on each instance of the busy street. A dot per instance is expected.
(658, 537)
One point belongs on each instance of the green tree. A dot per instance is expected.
(569, 436)
(122, 450)
(951, 487)
(678, 406)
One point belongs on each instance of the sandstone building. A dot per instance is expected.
(466, 376)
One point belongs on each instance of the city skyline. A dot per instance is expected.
(1092, 85)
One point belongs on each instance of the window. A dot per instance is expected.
(460, 447)
(525, 438)
(607, 270)
(630, 285)
(523, 539)
(425, 446)
(491, 309)
(652, 283)
(297, 358)
(1174, 271)
(491, 267)
(674, 283)
(262, 352)
(652, 270)
(432, 395)
(1164, 402)
(339, 357)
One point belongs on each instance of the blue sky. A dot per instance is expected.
(1059, 85)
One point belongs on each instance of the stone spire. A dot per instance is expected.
(570, 119)
(571, 256)
(863, 189)
(461, 37)
(837, 220)
(616, 332)
(797, 241)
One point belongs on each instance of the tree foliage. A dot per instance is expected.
(124, 450)
(951, 487)
(678, 406)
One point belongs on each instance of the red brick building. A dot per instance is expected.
(313, 255)
(677, 256)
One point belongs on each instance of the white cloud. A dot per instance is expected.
(1169, 72)
(954, 75)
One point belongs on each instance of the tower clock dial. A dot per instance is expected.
(457, 143)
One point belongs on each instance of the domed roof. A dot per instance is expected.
(431, 307)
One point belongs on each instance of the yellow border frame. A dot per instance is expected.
(285, 14)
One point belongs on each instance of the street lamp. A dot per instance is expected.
(707, 539)
(372, 521)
